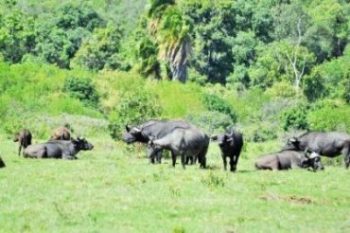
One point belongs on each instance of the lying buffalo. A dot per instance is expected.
(230, 144)
(183, 142)
(61, 133)
(58, 149)
(329, 144)
(2, 163)
(154, 129)
(24, 139)
(289, 159)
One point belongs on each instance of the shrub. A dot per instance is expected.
(211, 121)
(314, 86)
(215, 103)
(295, 118)
(330, 116)
(133, 108)
(82, 89)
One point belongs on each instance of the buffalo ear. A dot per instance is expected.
(127, 128)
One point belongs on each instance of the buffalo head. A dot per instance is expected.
(133, 134)
(82, 144)
(312, 160)
(292, 144)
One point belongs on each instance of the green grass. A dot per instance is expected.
(114, 189)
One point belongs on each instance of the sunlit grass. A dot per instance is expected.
(114, 189)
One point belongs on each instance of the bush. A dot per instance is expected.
(133, 108)
(211, 121)
(295, 118)
(82, 89)
(330, 116)
(261, 132)
(215, 103)
(314, 86)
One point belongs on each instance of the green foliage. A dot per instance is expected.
(16, 35)
(215, 103)
(134, 107)
(59, 38)
(295, 118)
(101, 50)
(82, 89)
(147, 53)
(281, 89)
(314, 86)
(329, 115)
(211, 121)
(262, 133)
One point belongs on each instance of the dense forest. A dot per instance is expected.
(268, 66)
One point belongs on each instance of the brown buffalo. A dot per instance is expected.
(24, 138)
(61, 133)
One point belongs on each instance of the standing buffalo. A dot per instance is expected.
(58, 149)
(329, 144)
(184, 142)
(230, 144)
(153, 129)
(288, 159)
(24, 139)
(2, 163)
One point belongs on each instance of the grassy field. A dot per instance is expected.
(114, 189)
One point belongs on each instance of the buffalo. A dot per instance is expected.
(230, 144)
(58, 149)
(153, 129)
(2, 163)
(24, 139)
(329, 144)
(184, 142)
(61, 133)
(289, 159)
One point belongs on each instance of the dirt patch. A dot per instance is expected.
(290, 199)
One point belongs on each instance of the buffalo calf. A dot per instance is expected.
(24, 139)
(61, 133)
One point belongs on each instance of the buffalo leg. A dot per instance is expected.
(173, 157)
(232, 164)
(19, 150)
(159, 157)
(346, 153)
(225, 162)
(347, 160)
(183, 160)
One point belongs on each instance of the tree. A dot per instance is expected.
(58, 38)
(101, 50)
(170, 30)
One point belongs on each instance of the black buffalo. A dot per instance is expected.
(329, 144)
(289, 159)
(57, 149)
(2, 163)
(24, 139)
(183, 142)
(230, 144)
(153, 129)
